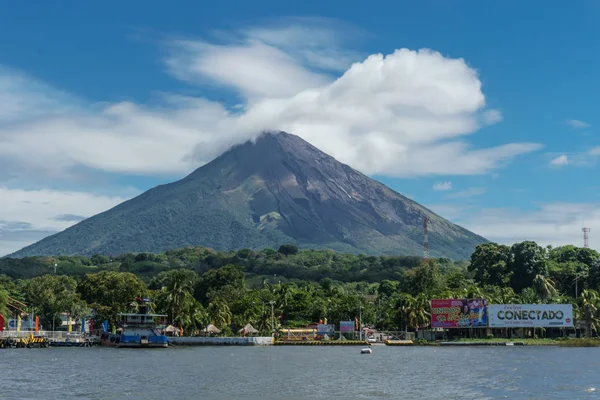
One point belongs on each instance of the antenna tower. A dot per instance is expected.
(586, 238)
(426, 239)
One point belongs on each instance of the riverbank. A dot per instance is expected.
(564, 342)
(320, 343)
(220, 341)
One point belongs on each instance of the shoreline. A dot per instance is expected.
(560, 342)
(189, 341)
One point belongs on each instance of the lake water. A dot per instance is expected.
(297, 372)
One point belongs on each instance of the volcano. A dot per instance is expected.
(277, 189)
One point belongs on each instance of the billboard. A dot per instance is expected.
(323, 329)
(346, 326)
(531, 315)
(463, 313)
(13, 324)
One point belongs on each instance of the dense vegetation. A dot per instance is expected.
(290, 287)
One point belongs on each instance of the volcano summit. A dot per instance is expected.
(274, 190)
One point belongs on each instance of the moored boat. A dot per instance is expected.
(140, 329)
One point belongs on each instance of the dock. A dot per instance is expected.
(23, 342)
(399, 343)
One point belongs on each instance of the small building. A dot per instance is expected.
(248, 330)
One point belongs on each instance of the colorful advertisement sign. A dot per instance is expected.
(452, 313)
(16, 324)
(323, 329)
(531, 315)
(346, 326)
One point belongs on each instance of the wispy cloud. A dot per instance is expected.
(406, 114)
(584, 158)
(575, 123)
(22, 96)
(69, 218)
(379, 116)
(469, 192)
(559, 161)
(33, 214)
(442, 186)
(553, 223)
(279, 59)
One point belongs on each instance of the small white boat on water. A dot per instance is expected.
(367, 350)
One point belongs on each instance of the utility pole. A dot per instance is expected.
(425, 239)
(360, 321)
(272, 316)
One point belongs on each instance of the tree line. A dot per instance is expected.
(287, 287)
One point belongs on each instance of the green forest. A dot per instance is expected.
(289, 287)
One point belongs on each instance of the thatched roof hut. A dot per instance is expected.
(211, 329)
(172, 330)
(250, 330)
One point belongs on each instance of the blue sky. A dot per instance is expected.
(482, 111)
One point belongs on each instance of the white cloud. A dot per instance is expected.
(254, 68)
(577, 159)
(267, 61)
(29, 215)
(559, 161)
(470, 192)
(313, 41)
(556, 224)
(441, 186)
(491, 117)
(404, 114)
(575, 123)
(24, 97)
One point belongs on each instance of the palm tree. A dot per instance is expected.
(265, 284)
(528, 296)
(508, 296)
(544, 287)
(179, 291)
(219, 312)
(588, 310)
(198, 315)
(470, 292)
(406, 304)
(283, 293)
(415, 310)
(423, 314)
(4, 303)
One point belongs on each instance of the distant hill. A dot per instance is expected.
(278, 189)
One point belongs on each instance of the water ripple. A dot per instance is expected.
(296, 372)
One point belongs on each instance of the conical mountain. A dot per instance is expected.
(278, 189)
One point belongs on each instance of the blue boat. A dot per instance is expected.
(140, 329)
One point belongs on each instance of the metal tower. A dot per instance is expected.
(586, 238)
(425, 239)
